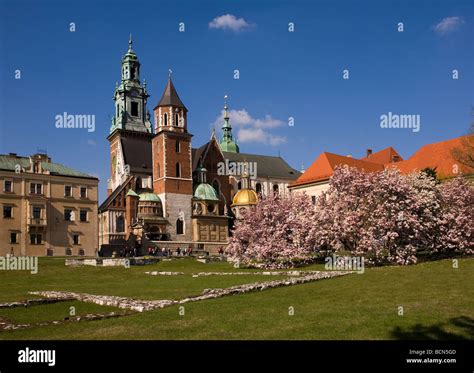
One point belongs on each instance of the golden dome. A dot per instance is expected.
(245, 197)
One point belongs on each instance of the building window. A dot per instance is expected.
(68, 215)
(7, 211)
(36, 188)
(13, 237)
(176, 120)
(7, 186)
(178, 169)
(179, 226)
(313, 199)
(134, 111)
(165, 119)
(36, 167)
(120, 224)
(67, 191)
(177, 146)
(239, 185)
(275, 189)
(159, 170)
(68, 252)
(83, 192)
(75, 239)
(35, 239)
(36, 212)
(258, 188)
(83, 215)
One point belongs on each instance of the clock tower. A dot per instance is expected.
(131, 129)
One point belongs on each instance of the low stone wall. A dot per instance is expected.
(146, 305)
(32, 302)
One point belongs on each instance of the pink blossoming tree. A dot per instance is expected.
(386, 217)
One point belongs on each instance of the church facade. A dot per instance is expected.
(162, 190)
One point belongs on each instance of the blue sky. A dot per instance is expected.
(282, 74)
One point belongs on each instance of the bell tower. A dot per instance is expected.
(172, 164)
(131, 124)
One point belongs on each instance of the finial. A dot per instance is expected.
(226, 115)
(130, 41)
(144, 83)
(169, 73)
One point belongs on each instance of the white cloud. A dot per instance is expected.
(249, 129)
(246, 135)
(229, 22)
(448, 24)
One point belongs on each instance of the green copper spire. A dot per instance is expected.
(227, 143)
(130, 96)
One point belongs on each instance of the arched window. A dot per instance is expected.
(258, 188)
(120, 224)
(165, 119)
(179, 226)
(178, 169)
(176, 119)
(177, 146)
(159, 171)
(138, 184)
(215, 185)
(275, 189)
(239, 185)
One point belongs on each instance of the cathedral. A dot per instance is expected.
(162, 192)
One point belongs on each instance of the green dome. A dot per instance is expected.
(206, 192)
(229, 146)
(149, 197)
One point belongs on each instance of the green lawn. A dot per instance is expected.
(438, 303)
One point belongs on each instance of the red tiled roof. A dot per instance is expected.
(383, 156)
(324, 166)
(440, 156)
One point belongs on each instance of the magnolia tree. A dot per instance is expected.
(456, 223)
(276, 233)
(386, 217)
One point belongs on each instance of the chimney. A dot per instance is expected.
(395, 158)
(368, 152)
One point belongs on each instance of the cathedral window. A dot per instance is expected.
(134, 111)
(177, 146)
(120, 224)
(165, 119)
(258, 188)
(176, 120)
(179, 226)
(215, 185)
(178, 169)
(132, 73)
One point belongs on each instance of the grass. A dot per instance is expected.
(437, 301)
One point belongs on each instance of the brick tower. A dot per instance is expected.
(172, 165)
